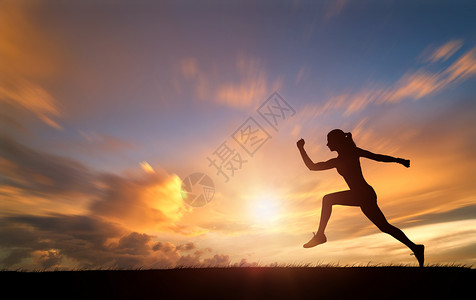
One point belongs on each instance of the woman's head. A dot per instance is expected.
(337, 140)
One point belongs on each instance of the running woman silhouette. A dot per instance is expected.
(360, 193)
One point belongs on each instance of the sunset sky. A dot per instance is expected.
(106, 106)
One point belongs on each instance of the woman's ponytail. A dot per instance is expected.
(350, 141)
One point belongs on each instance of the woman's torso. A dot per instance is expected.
(348, 166)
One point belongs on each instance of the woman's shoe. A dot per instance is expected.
(316, 240)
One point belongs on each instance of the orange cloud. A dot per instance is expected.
(463, 68)
(250, 86)
(151, 202)
(147, 167)
(412, 85)
(446, 51)
(28, 56)
(31, 96)
(422, 83)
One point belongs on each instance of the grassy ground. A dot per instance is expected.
(246, 283)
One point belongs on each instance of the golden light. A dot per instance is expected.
(265, 208)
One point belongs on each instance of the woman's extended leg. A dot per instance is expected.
(373, 212)
(339, 198)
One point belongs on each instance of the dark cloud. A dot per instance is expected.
(107, 234)
(36, 172)
(462, 213)
(8, 123)
(46, 241)
(134, 243)
(130, 199)
(81, 238)
(48, 259)
(164, 247)
(15, 257)
(218, 260)
(186, 247)
(245, 263)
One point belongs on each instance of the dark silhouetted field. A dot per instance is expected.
(247, 283)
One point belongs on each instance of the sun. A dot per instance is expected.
(265, 209)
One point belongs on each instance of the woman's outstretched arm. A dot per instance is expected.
(309, 163)
(383, 158)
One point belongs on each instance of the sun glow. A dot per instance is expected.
(265, 209)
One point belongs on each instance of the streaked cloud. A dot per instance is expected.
(251, 84)
(31, 96)
(36, 172)
(413, 85)
(302, 75)
(147, 167)
(29, 55)
(445, 51)
(97, 143)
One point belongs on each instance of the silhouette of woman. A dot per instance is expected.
(360, 193)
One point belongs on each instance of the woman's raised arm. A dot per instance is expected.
(310, 164)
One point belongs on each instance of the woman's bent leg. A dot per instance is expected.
(340, 198)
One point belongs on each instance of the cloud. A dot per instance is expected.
(47, 259)
(253, 85)
(108, 230)
(150, 201)
(25, 47)
(81, 238)
(218, 260)
(445, 51)
(9, 123)
(97, 143)
(31, 96)
(69, 241)
(164, 247)
(189, 70)
(249, 84)
(302, 75)
(413, 85)
(195, 260)
(36, 172)
(146, 167)
(187, 247)
(134, 243)
(29, 55)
